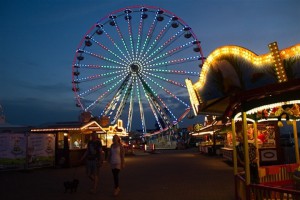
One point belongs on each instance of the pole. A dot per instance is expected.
(256, 143)
(246, 151)
(234, 156)
(296, 141)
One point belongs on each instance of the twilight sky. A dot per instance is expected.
(39, 39)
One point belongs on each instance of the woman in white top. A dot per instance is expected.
(117, 161)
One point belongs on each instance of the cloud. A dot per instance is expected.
(33, 111)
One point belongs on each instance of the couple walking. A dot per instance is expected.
(94, 160)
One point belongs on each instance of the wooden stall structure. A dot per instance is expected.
(72, 138)
(211, 137)
(253, 92)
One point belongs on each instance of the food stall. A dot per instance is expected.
(71, 138)
(211, 138)
(254, 92)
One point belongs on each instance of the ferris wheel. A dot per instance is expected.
(132, 65)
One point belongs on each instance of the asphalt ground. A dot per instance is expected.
(164, 175)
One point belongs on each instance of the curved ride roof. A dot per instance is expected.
(234, 79)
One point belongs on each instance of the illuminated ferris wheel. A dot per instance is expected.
(132, 65)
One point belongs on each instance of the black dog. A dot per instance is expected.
(71, 185)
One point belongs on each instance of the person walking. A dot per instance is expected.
(93, 157)
(117, 161)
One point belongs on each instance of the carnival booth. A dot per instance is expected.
(71, 138)
(210, 135)
(267, 142)
(255, 94)
(119, 130)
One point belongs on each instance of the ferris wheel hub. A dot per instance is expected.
(135, 68)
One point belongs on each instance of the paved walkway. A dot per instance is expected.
(166, 175)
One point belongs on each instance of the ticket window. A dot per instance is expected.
(76, 141)
(72, 141)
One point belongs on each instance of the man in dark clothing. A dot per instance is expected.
(93, 160)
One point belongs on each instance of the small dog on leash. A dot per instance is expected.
(71, 186)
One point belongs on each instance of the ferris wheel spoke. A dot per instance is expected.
(116, 97)
(155, 114)
(170, 71)
(123, 102)
(106, 67)
(175, 61)
(172, 52)
(167, 108)
(115, 44)
(89, 91)
(166, 80)
(96, 88)
(106, 92)
(166, 44)
(158, 97)
(149, 35)
(153, 99)
(130, 109)
(158, 38)
(112, 102)
(121, 36)
(150, 105)
(167, 91)
(161, 111)
(128, 19)
(101, 57)
(97, 76)
(140, 30)
(142, 115)
(108, 50)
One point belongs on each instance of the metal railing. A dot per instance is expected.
(263, 192)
